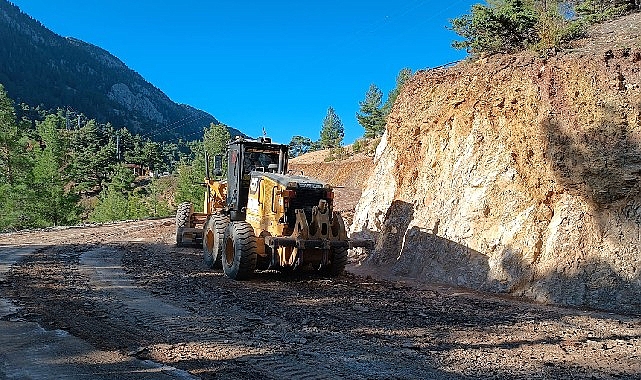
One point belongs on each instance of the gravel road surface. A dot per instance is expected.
(122, 301)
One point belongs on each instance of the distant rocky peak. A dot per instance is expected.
(40, 68)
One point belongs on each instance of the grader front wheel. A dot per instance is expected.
(183, 220)
(214, 240)
(239, 260)
(339, 260)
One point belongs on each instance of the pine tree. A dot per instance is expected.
(138, 206)
(114, 202)
(299, 145)
(403, 76)
(315, 146)
(215, 142)
(112, 205)
(9, 137)
(371, 116)
(16, 192)
(94, 153)
(332, 131)
(155, 203)
(190, 177)
(171, 156)
(55, 203)
(512, 25)
(134, 149)
(216, 138)
(151, 155)
(500, 26)
(600, 10)
(122, 180)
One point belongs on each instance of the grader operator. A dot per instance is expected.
(263, 217)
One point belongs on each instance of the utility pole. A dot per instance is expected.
(118, 145)
(78, 121)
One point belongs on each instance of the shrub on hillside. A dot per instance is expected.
(503, 26)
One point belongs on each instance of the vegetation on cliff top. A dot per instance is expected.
(372, 116)
(503, 26)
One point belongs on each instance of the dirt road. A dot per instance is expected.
(121, 301)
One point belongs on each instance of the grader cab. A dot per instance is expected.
(262, 217)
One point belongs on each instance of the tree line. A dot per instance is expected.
(372, 116)
(53, 172)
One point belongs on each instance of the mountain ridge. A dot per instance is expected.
(41, 68)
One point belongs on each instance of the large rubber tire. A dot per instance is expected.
(239, 259)
(214, 240)
(183, 217)
(339, 260)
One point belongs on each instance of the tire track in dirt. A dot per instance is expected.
(103, 268)
(283, 369)
(9, 256)
(29, 351)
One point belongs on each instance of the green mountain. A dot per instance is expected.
(40, 68)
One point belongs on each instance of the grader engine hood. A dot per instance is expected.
(293, 181)
(274, 199)
(299, 192)
(311, 233)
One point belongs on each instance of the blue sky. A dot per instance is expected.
(276, 65)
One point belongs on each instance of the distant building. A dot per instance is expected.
(137, 170)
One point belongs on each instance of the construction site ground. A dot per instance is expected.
(122, 301)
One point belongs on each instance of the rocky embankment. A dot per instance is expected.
(517, 174)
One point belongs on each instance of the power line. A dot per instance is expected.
(167, 126)
(432, 16)
(178, 126)
(396, 18)
(174, 125)
(194, 133)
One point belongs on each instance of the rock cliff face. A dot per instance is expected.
(517, 174)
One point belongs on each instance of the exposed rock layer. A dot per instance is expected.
(518, 174)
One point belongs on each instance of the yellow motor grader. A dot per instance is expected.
(264, 217)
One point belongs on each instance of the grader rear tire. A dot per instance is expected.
(214, 240)
(339, 260)
(183, 217)
(239, 260)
